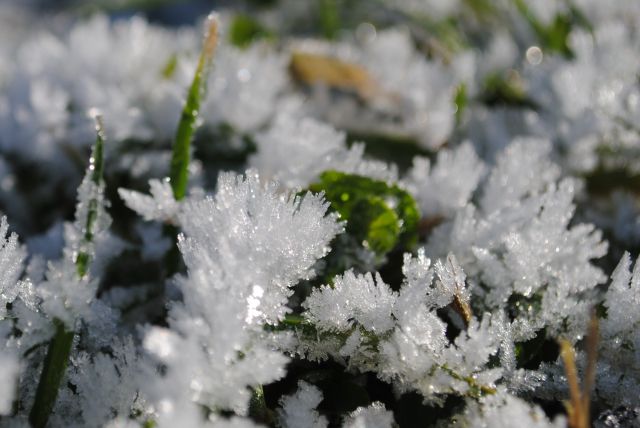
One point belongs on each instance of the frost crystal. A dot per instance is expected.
(511, 125)
(8, 379)
(245, 86)
(107, 385)
(65, 296)
(161, 205)
(299, 410)
(400, 336)
(502, 410)
(243, 249)
(12, 256)
(352, 300)
(519, 242)
(296, 151)
(619, 359)
(373, 416)
(447, 186)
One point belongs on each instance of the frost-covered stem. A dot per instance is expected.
(188, 120)
(306, 328)
(54, 367)
(57, 358)
(476, 389)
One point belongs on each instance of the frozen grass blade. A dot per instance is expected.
(55, 365)
(57, 358)
(179, 174)
(96, 169)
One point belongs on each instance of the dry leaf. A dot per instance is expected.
(314, 68)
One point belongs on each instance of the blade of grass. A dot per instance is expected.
(54, 367)
(329, 14)
(57, 358)
(96, 169)
(180, 158)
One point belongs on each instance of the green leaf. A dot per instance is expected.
(381, 214)
(245, 30)
(377, 223)
(179, 173)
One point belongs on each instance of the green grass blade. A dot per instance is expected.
(180, 158)
(57, 358)
(329, 13)
(55, 365)
(96, 171)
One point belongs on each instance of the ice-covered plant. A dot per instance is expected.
(379, 216)
(244, 250)
(68, 292)
(360, 321)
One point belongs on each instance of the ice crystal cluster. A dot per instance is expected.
(397, 213)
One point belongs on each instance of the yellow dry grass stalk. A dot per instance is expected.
(460, 302)
(313, 68)
(578, 406)
(461, 306)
